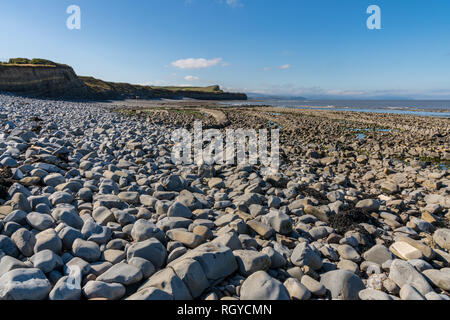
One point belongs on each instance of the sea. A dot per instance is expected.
(432, 108)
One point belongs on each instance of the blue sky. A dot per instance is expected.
(313, 48)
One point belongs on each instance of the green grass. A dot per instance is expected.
(27, 62)
(100, 86)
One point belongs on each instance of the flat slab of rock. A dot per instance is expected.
(405, 251)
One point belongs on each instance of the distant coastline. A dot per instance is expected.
(439, 108)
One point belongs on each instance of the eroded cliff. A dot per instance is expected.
(52, 80)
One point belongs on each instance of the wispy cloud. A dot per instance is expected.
(191, 78)
(196, 63)
(282, 67)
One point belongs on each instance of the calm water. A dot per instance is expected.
(438, 108)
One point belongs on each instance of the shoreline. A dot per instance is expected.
(322, 127)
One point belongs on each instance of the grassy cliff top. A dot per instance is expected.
(100, 85)
(35, 62)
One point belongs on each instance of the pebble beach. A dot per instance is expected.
(92, 207)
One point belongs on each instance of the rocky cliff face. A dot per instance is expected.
(42, 81)
(60, 81)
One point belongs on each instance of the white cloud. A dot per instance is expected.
(267, 68)
(193, 63)
(285, 66)
(191, 78)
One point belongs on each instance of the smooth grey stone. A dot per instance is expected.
(250, 261)
(378, 254)
(8, 263)
(40, 221)
(261, 286)
(47, 239)
(167, 280)
(46, 260)
(24, 284)
(150, 293)
(402, 273)
(87, 250)
(68, 235)
(68, 215)
(151, 250)
(303, 255)
(143, 230)
(144, 265)
(122, 273)
(408, 292)
(343, 284)
(100, 289)
(65, 289)
(177, 209)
